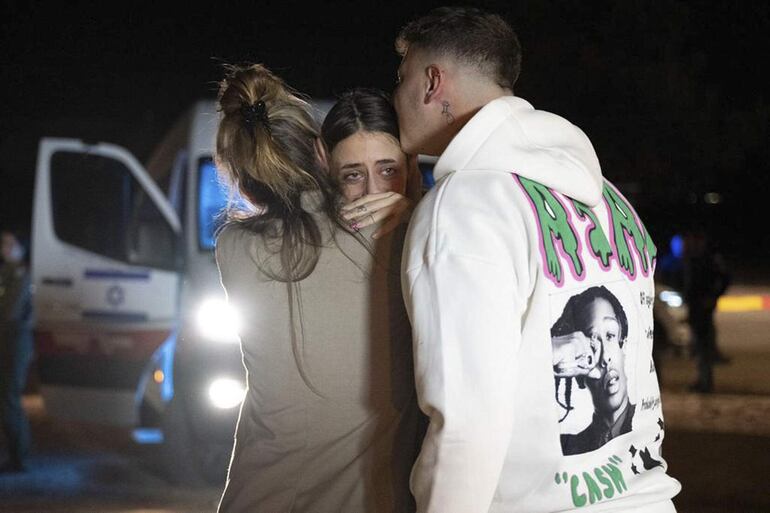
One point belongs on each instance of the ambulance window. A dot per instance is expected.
(99, 206)
(151, 240)
(91, 199)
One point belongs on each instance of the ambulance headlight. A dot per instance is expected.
(217, 320)
(226, 393)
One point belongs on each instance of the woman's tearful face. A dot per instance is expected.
(368, 163)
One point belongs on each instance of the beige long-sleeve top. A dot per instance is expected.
(329, 422)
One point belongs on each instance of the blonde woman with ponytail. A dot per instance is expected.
(329, 423)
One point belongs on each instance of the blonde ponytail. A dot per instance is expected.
(265, 150)
(265, 135)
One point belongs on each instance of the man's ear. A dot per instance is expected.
(434, 82)
(320, 153)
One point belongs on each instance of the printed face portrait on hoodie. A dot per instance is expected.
(588, 346)
(609, 386)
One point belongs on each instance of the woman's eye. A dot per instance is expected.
(388, 171)
(611, 331)
(352, 176)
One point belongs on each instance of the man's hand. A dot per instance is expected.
(373, 208)
(574, 355)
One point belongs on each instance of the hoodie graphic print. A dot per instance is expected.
(528, 278)
(599, 332)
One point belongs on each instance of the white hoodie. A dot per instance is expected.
(523, 267)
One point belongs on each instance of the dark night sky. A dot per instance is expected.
(674, 94)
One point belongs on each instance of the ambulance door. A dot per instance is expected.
(106, 264)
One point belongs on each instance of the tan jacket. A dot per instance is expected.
(330, 422)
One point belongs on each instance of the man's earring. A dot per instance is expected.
(445, 111)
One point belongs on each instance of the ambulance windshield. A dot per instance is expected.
(212, 201)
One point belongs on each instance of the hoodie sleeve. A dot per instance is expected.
(467, 333)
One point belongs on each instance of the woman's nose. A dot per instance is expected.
(373, 186)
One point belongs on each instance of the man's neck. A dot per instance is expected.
(466, 108)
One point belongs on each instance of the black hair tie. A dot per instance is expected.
(255, 113)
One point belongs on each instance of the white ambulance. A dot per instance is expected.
(132, 328)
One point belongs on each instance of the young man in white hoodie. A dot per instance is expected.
(520, 221)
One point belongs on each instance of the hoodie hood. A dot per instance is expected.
(510, 136)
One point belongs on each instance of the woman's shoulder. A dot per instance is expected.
(242, 248)
(227, 235)
(229, 232)
(232, 239)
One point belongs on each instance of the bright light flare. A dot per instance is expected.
(671, 298)
(217, 320)
(226, 393)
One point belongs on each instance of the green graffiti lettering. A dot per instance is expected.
(594, 494)
(579, 500)
(597, 240)
(617, 477)
(553, 221)
(606, 482)
(608, 490)
(652, 249)
(624, 222)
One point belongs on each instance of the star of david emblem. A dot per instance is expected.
(116, 295)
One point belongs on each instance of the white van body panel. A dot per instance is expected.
(92, 308)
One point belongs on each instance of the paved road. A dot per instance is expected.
(718, 446)
(78, 468)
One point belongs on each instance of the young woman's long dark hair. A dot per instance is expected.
(359, 110)
(366, 110)
(265, 150)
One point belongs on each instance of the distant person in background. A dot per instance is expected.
(705, 280)
(15, 347)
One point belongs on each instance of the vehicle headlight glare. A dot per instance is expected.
(217, 320)
(226, 393)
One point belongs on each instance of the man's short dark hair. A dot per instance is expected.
(471, 36)
(575, 315)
